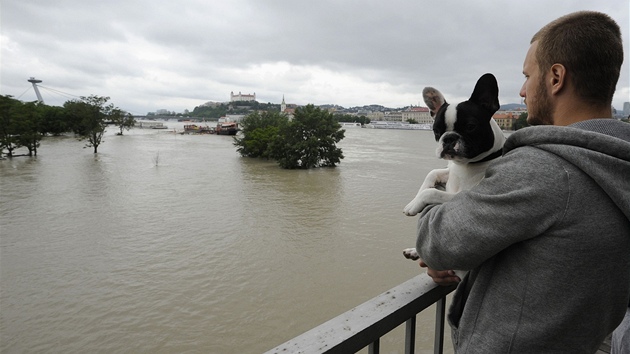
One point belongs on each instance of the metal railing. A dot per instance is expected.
(364, 325)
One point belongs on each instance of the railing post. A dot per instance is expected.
(362, 326)
(410, 335)
(374, 347)
(440, 309)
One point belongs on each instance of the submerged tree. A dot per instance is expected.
(122, 119)
(28, 123)
(89, 118)
(9, 138)
(258, 131)
(20, 125)
(309, 140)
(54, 120)
(25, 124)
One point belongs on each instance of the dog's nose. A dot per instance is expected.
(449, 139)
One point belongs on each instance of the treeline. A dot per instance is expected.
(245, 107)
(306, 141)
(521, 122)
(24, 124)
(239, 107)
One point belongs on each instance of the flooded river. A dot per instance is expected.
(169, 243)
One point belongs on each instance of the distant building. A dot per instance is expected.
(419, 114)
(626, 109)
(289, 110)
(393, 117)
(242, 97)
(506, 119)
(375, 115)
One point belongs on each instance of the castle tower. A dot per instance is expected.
(34, 81)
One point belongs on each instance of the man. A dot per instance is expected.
(546, 234)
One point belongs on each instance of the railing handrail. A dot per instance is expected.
(366, 323)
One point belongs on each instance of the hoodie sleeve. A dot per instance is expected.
(523, 194)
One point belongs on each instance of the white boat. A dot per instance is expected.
(151, 125)
(350, 125)
(398, 125)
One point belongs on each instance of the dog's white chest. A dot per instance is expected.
(464, 176)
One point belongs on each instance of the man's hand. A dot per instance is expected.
(441, 277)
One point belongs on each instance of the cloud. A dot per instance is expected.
(177, 55)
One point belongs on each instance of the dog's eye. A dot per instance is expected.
(471, 127)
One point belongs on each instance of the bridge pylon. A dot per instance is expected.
(34, 81)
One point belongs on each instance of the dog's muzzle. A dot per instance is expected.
(450, 143)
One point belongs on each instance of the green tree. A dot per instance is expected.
(122, 119)
(309, 140)
(9, 138)
(521, 122)
(28, 125)
(21, 124)
(210, 111)
(258, 131)
(54, 120)
(89, 118)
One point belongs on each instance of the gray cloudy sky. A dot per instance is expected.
(175, 55)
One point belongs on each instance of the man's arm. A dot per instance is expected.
(523, 194)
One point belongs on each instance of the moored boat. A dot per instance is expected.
(227, 128)
(398, 125)
(151, 125)
(197, 129)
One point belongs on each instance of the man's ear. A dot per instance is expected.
(558, 75)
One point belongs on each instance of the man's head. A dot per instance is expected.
(580, 53)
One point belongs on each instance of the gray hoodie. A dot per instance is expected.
(546, 237)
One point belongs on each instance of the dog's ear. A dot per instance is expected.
(486, 93)
(433, 99)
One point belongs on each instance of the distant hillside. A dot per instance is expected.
(512, 107)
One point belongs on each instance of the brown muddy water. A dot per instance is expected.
(169, 243)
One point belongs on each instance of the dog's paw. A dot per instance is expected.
(413, 208)
(411, 253)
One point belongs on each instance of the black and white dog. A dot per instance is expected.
(468, 137)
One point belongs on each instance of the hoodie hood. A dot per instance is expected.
(599, 147)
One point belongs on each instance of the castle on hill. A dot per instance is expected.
(242, 97)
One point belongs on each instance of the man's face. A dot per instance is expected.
(535, 92)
